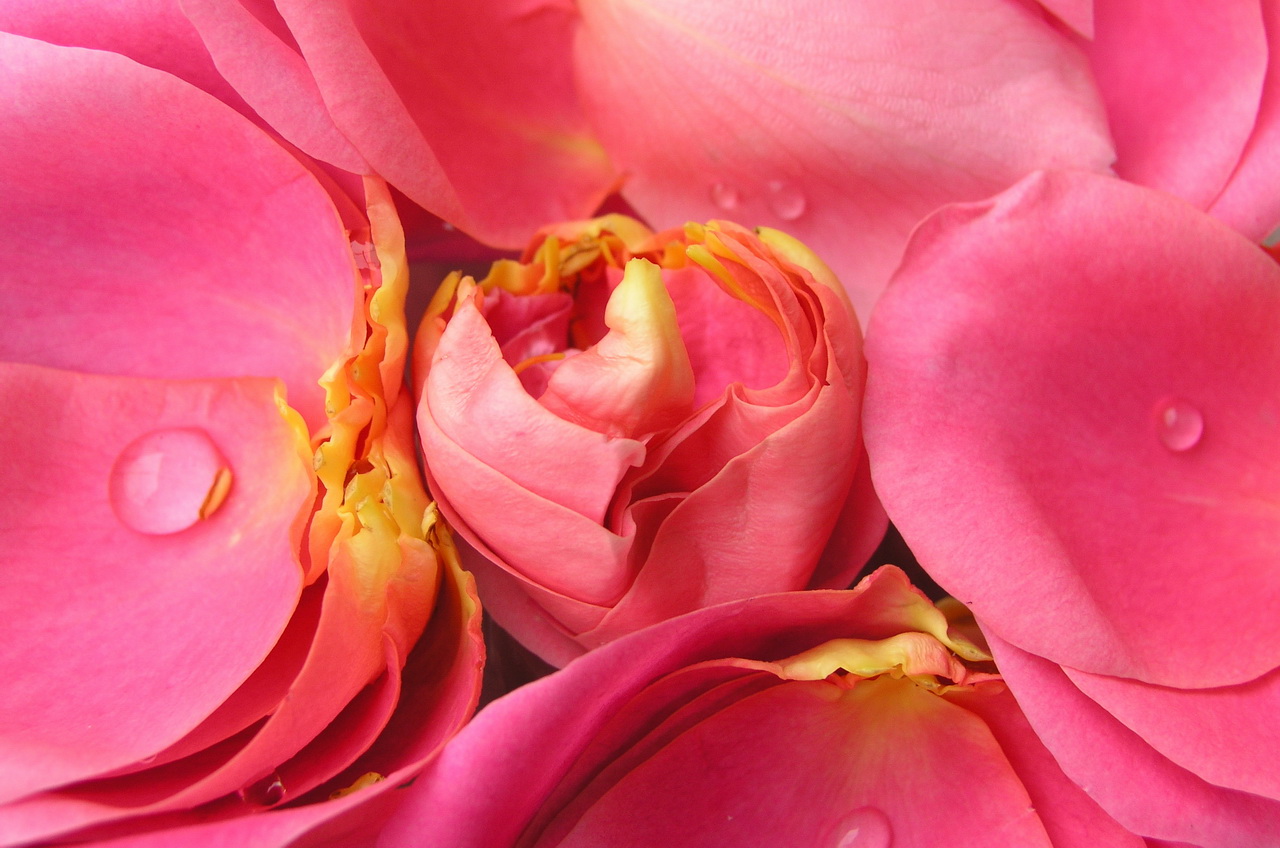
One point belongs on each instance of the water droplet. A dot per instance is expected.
(447, 227)
(725, 196)
(1179, 424)
(167, 480)
(266, 792)
(865, 827)
(786, 201)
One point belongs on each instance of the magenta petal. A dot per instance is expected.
(1143, 791)
(1182, 84)
(197, 619)
(1072, 398)
(230, 260)
(868, 116)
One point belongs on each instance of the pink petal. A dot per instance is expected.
(476, 400)
(495, 87)
(1143, 791)
(868, 117)
(631, 711)
(195, 619)
(636, 380)
(1077, 14)
(1182, 85)
(1071, 817)
(807, 763)
(1227, 736)
(1251, 200)
(229, 260)
(155, 33)
(255, 51)
(1037, 385)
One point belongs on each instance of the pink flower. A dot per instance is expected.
(218, 555)
(850, 718)
(630, 426)
(1073, 413)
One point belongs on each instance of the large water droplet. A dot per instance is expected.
(725, 196)
(1179, 424)
(786, 201)
(865, 827)
(266, 792)
(167, 480)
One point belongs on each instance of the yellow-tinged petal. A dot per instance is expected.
(637, 379)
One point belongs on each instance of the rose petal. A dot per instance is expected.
(1021, 380)
(229, 260)
(1226, 736)
(868, 118)
(1251, 200)
(1182, 86)
(189, 621)
(1143, 791)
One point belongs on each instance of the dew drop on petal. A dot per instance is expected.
(1179, 424)
(167, 480)
(865, 827)
(725, 196)
(786, 201)
(266, 792)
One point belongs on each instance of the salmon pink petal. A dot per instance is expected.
(637, 379)
(229, 260)
(868, 117)
(1143, 791)
(1073, 391)
(476, 400)
(1182, 85)
(96, 466)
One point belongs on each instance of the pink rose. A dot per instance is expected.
(841, 718)
(218, 554)
(630, 426)
(1073, 415)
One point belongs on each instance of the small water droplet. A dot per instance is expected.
(865, 827)
(725, 196)
(447, 227)
(266, 792)
(167, 480)
(786, 201)
(1179, 424)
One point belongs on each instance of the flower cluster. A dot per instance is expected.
(596, 422)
